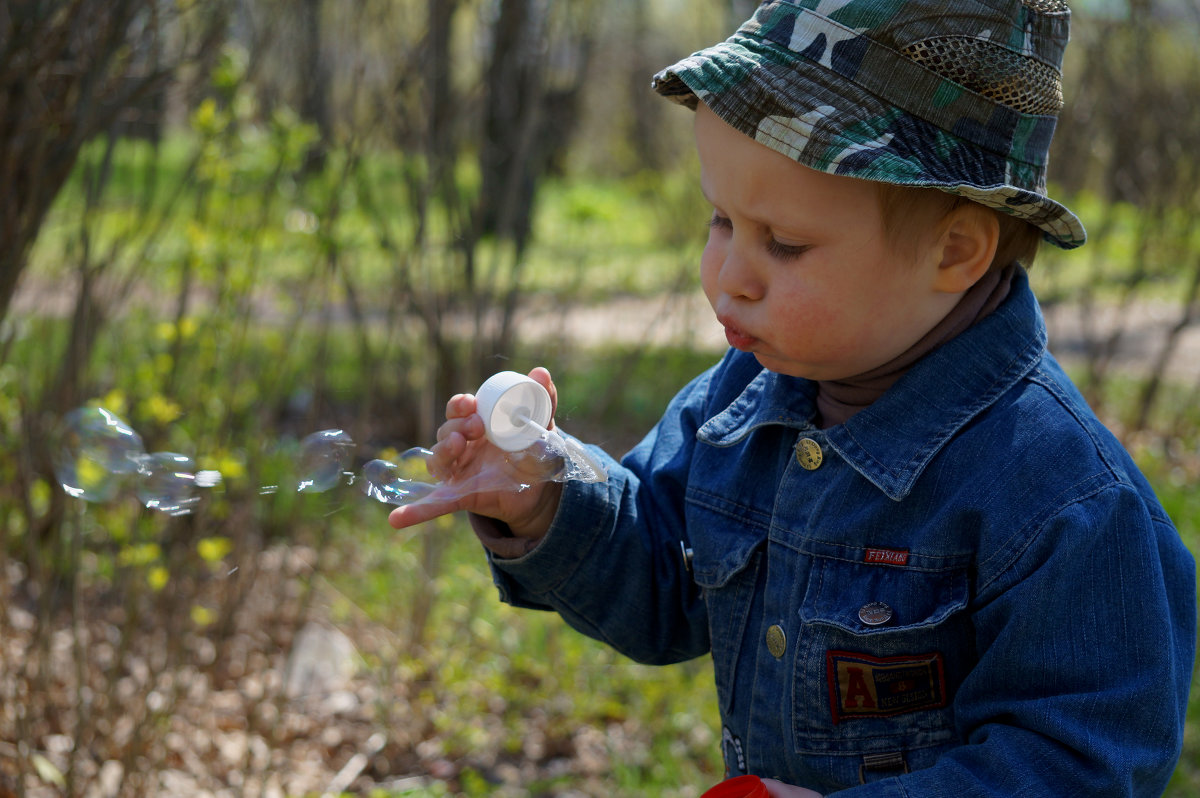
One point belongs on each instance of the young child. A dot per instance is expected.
(921, 565)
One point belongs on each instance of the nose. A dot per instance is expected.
(738, 274)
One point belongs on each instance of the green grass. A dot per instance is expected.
(497, 679)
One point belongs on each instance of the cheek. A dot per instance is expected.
(820, 316)
(710, 265)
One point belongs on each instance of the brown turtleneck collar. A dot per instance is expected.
(838, 400)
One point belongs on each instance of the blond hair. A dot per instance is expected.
(909, 208)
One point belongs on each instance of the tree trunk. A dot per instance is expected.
(67, 70)
(315, 85)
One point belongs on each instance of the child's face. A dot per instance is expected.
(798, 267)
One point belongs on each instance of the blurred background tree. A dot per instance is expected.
(70, 71)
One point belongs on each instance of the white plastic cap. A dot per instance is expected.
(507, 401)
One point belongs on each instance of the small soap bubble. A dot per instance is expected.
(96, 452)
(391, 483)
(167, 483)
(324, 460)
(208, 478)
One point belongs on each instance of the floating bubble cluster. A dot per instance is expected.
(98, 453)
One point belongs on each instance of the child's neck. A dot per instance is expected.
(838, 400)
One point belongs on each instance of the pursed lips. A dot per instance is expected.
(736, 336)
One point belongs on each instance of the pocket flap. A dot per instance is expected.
(911, 598)
(722, 543)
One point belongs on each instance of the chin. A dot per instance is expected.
(790, 368)
(784, 367)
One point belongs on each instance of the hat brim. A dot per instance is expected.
(819, 118)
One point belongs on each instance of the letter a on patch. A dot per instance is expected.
(862, 686)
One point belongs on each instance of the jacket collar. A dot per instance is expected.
(892, 442)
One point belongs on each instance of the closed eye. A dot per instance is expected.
(718, 222)
(785, 251)
(775, 249)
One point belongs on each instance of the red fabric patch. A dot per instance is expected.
(862, 686)
(886, 556)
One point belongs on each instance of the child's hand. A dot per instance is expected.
(481, 478)
(778, 789)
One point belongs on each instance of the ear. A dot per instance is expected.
(970, 235)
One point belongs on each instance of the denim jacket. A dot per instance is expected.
(968, 589)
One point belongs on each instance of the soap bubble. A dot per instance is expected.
(324, 460)
(554, 457)
(208, 478)
(389, 482)
(96, 452)
(167, 483)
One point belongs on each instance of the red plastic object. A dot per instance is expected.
(739, 787)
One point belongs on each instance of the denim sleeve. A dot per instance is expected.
(612, 563)
(1085, 639)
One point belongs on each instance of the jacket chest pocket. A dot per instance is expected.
(726, 558)
(882, 647)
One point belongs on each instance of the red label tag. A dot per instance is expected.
(886, 556)
(862, 686)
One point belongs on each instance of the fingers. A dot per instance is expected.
(412, 514)
(460, 405)
(454, 436)
(470, 427)
(541, 375)
(448, 454)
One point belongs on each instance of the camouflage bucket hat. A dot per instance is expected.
(958, 96)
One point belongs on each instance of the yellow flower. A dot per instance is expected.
(114, 402)
(214, 549)
(158, 578)
(230, 467)
(202, 616)
(161, 409)
(139, 555)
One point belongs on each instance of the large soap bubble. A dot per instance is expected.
(96, 452)
(325, 459)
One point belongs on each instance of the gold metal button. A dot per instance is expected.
(776, 641)
(808, 454)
